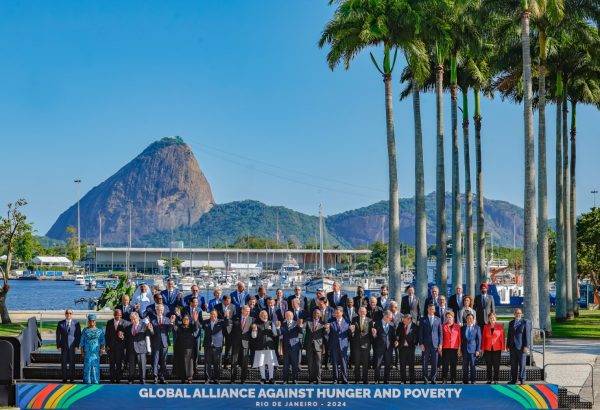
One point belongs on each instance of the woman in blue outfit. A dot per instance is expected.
(92, 346)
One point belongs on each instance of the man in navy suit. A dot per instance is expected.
(384, 334)
(338, 332)
(470, 348)
(297, 311)
(135, 334)
(195, 294)
(218, 298)
(213, 346)
(240, 297)
(430, 336)
(433, 299)
(519, 343)
(171, 296)
(292, 334)
(261, 298)
(160, 344)
(68, 336)
(336, 297)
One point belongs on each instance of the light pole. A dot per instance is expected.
(594, 192)
(77, 183)
(129, 245)
(100, 229)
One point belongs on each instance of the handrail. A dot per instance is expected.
(542, 332)
(577, 364)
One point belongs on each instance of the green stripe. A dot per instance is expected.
(509, 393)
(61, 403)
(532, 403)
(83, 393)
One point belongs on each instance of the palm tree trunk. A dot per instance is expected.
(561, 290)
(457, 274)
(394, 209)
(440, 186)
(566, 203)
(543, 258)
(481, 269)
(573, 213)
(420, 216)
(531, 305)
(469, 268)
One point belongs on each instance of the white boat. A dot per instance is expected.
(80, 280)
(90, 283)
(314, 284)
(185, 283)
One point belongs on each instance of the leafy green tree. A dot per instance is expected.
(72, 250)
(588, 246)
(378, 258)
(111, 296)
(12, 227)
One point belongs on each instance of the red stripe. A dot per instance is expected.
(549, 395)
(42, 395)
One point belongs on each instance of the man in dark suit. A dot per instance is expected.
(115, 345)
(151, 309)
(196, 314)
(383, 300)
(327, 313)
(384, 336)
(432, 299)
(137, 348)
(280, 302)
(172, 298)
(336, 297)
(456, 301)
(126, 307)
(374, 311)
(274, 312)
(261, 298)
(292, 334)
(213, 346)
(408, 339)
(254, 308)
(301, 298)
(350, 312)
(195, 294)
(360, 300)
(430, 337)
(361, 345)
(314, 302)
(518, 341)
(226, 307)
(68, 336)
(297, 311)
(338, 332)
(217, 298)
(442, 308)
(410, 305)
(470, 348)
(484, 305)
(160, 344)
(238, 330)
(240, 297)
(314, 345)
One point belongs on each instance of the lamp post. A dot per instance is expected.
(594, 192)
(77, 182)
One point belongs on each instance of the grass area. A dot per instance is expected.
(586, 326)
(46, 327)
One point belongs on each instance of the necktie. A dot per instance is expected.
(135, 330)
(405, 334)
(160, 321)
(431, 321)
(314, 326)
(116, 324)
(385, 327)
(243, 322)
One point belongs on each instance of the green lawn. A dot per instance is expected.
(586, 326)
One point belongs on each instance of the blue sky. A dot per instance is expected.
(85, 86)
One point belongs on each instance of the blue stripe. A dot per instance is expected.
(26, 398)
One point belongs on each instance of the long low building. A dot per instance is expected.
(151, 260)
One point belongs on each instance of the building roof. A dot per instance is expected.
(202, 264)
(56, 260)
(233, 250)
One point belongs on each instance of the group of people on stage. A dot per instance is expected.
(242, 330)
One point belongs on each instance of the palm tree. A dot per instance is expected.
(531, 301)
(561, 290)
(356, 25)
(469, 268)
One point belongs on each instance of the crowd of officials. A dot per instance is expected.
(240, 330)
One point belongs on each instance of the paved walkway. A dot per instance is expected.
(572, 359)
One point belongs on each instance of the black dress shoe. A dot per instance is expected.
(262, 381)
(488, 382)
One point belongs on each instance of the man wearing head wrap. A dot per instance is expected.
(92, 345)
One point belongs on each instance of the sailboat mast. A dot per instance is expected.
(321, 259)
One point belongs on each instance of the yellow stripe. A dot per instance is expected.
(53, 400)
(541, 403)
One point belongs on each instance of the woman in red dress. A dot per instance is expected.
(493, 343)
(450, 346)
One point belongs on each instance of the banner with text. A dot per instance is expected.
(242, 397)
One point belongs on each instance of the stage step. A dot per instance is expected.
(568, 400)
(52, 371)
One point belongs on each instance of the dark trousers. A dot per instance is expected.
(159, 363)
(184, 358)
(468, 367)
(449, 359)
(383, 358)
(226, 350)
(407, 358)
(361, 363)
(314, 357)
(140, 359)
(492, 364)
(239, 357)
(67, 363)
(212, 363)
(291, 361)
(339, 359)
(430, 359)
(115, 363)
(517, 365)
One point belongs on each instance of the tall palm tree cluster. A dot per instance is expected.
(532, 52)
